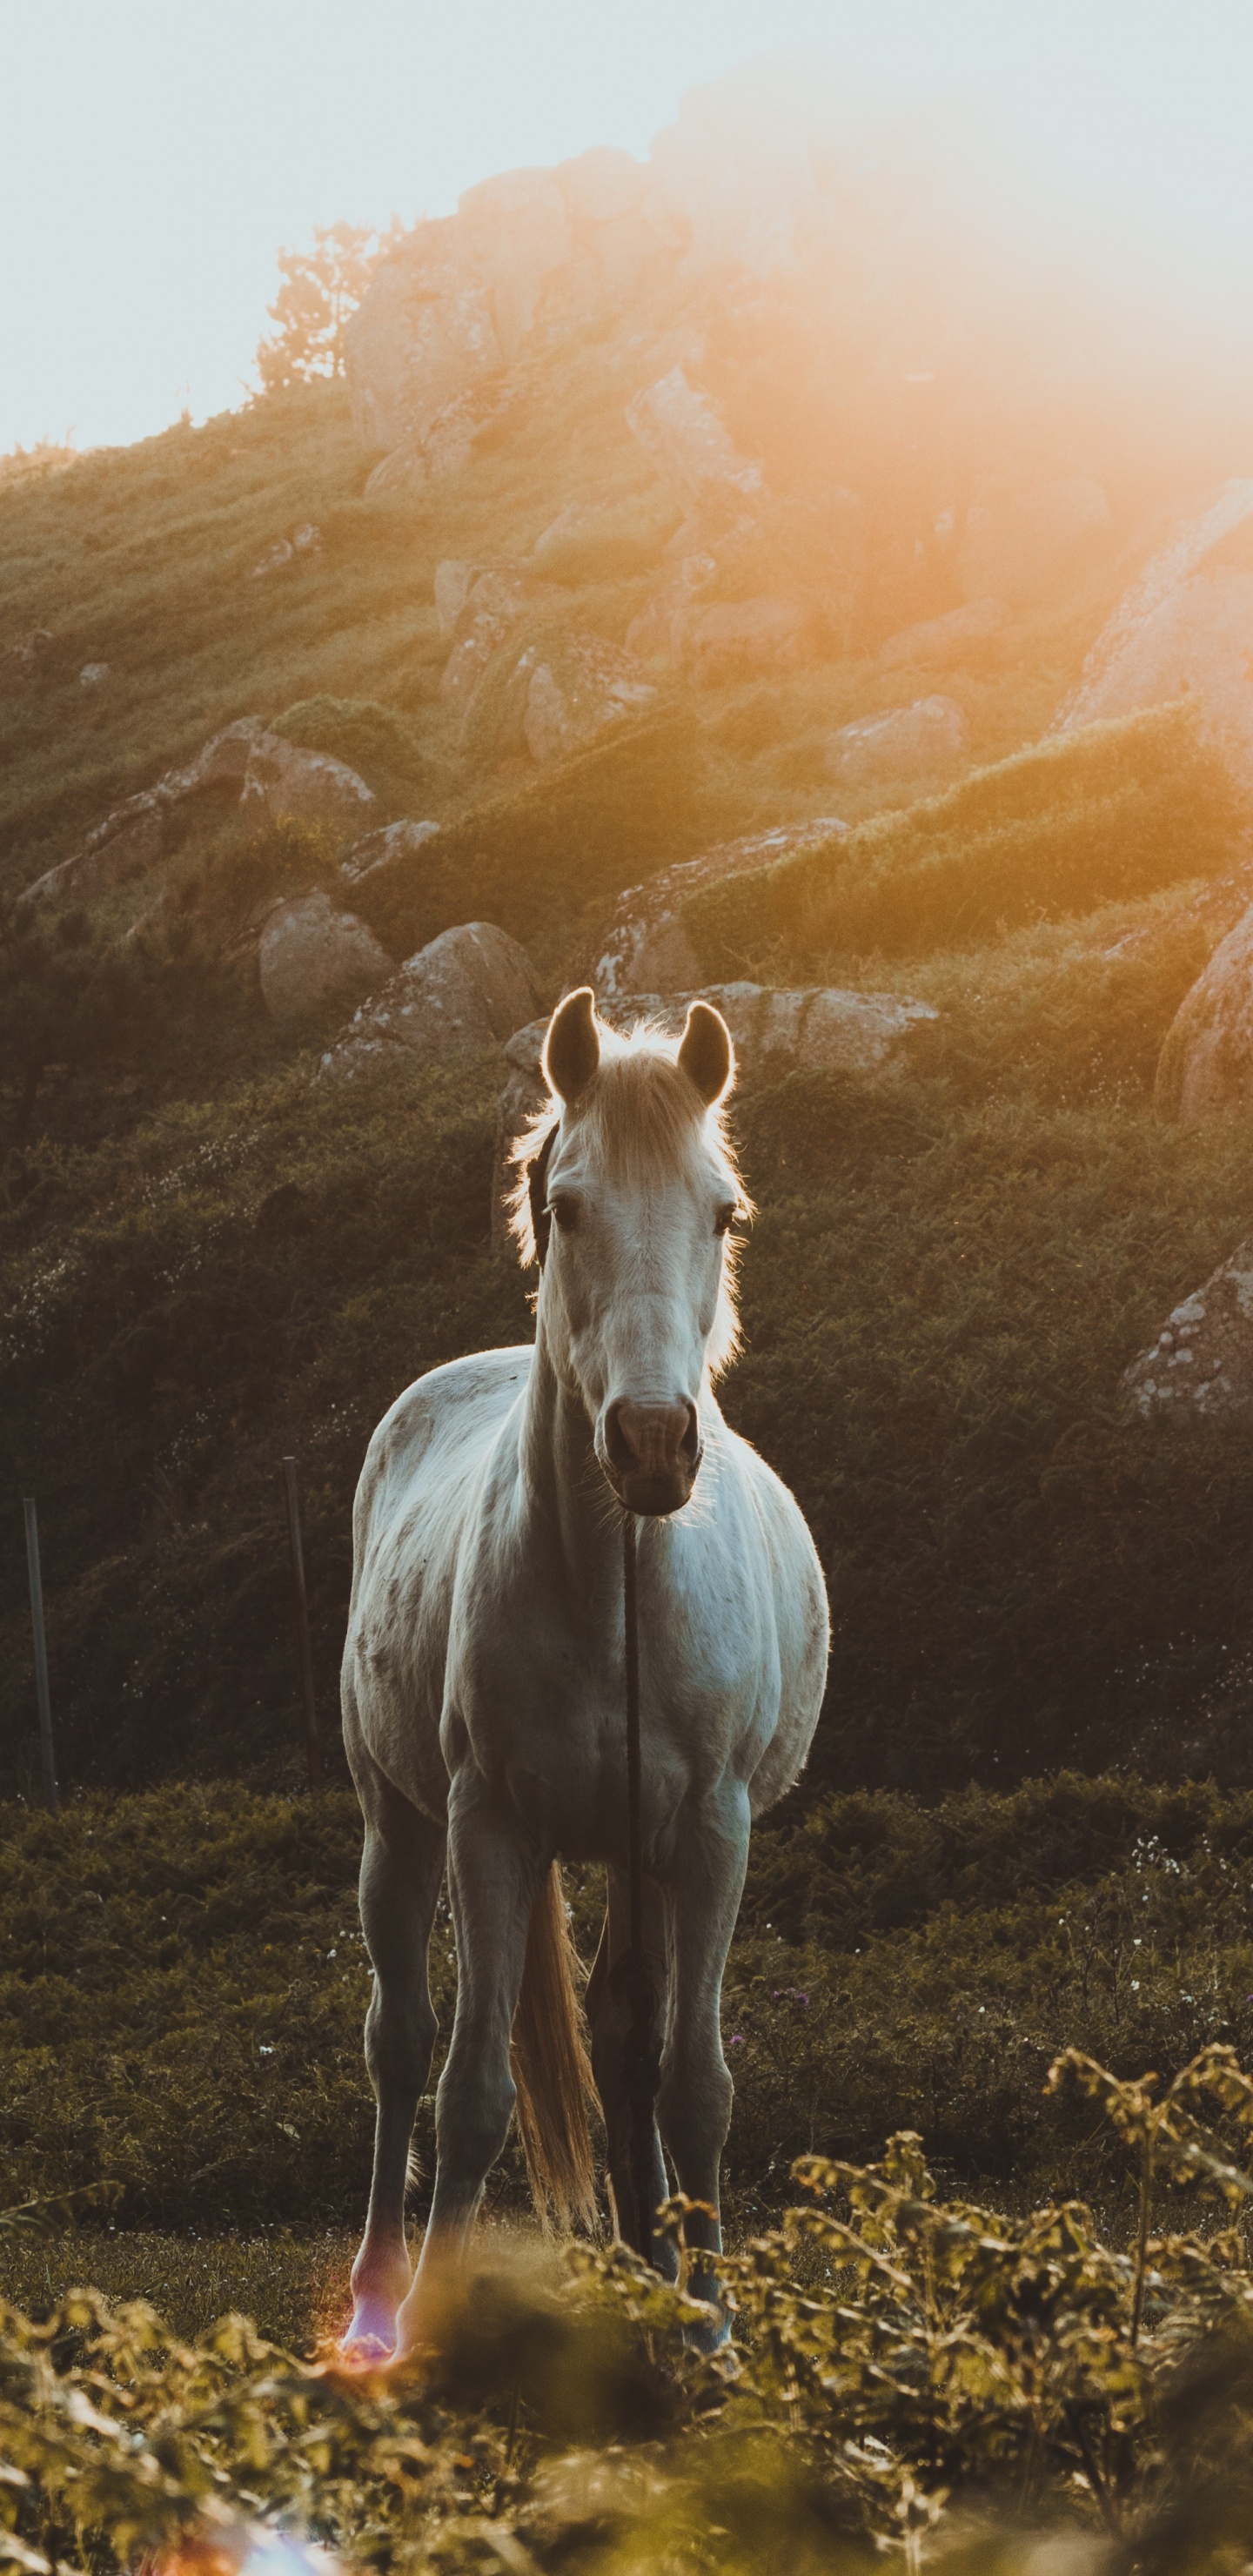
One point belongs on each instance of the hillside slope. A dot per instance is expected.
(209, 1260)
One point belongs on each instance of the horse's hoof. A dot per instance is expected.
(369, 2342)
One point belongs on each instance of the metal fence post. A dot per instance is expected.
(51, 1800)
(313, 1749)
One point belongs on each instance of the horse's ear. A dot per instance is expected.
(572, 1046)
(706, 1054)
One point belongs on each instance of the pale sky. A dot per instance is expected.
(155, 154)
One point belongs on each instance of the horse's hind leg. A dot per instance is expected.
(402, 1867)
(609, 2016)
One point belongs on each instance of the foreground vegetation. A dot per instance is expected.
(914, 2376)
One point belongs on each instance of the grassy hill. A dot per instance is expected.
(209, 1260)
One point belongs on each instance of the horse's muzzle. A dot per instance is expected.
(651, 1454)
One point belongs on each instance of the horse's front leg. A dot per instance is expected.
(402, 1866)
(493, 1877)
(704, 1883)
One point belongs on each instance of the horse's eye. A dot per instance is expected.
(725, 1218)
(564, 1211)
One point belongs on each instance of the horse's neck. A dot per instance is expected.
(565, 1496)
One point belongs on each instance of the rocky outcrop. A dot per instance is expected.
(1206, 1063)
(921, 741)
(1019, 546)
(312, 955)
(1201, 1365)
(576, 687)
(734, 640)
(392, 843)
(646, 948)
(774, 1034)
(450, 309)
(494, 604)
(604, 539)
(131, 840)
(685, 436)
(283, 783)
(946, 640)
(467, 990)
(1185, 628)
(93, 675)
(661, 625)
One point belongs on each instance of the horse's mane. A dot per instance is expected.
(641, 1115)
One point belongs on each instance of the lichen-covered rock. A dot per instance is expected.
(310, 955)
(773, 1033)
(578, 685)
(684, 434)
(646, 948)
(467, 990)
(393, 842)
(730, 640)
(283, 782)
(218, 769)
(131, 840)
(1206, 1063)
(921, 741)
(1185, 628)
(494, 604)
(1202, 1361)
(948, 639)
(1020, 545)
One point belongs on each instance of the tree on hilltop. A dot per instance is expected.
(320, 288)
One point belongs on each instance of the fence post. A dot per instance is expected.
(51, 1800)
(313, 1749)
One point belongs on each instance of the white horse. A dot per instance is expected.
(483, 1681)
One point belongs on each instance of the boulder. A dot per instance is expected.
(310, 954)
(687, 439)
(604, 540)
(1206, 1063)
(454, 581)
(467, 990)
(383, 848)
(127, 844)
(646, 948)
(423, 334)
(219, 768)
(516, 228)
(733, 640)
(1201, 1364)
(93, 675)
(132, 839)
(920, 741)
(284, 783)
(494, 604)
(280, 551)
(404, 470)
(1185, 627)
(774, 1034)
(661, 624)
(577, 686)
(947, 639)
(1019, 546)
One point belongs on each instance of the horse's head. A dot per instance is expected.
(629, 1194)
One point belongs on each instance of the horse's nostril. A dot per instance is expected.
(651, 1439)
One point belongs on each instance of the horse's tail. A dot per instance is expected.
(551, 2067)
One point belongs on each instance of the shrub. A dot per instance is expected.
(1106, 814)
(374, 740)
